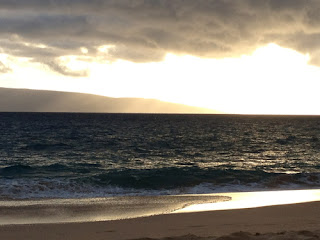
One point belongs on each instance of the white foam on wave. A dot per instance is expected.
(304, 182)
(34, 189)
(63, 188)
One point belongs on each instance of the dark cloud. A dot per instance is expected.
(57, 66)
(145, 30)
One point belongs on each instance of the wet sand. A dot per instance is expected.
(278, 221)
(97, 209)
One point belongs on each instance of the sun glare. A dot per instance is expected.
(273, 80)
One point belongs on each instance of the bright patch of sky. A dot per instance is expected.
(272, 80)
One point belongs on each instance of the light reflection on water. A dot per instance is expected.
(62, 155)
(257, 199)
(106, 209)
(95, 209)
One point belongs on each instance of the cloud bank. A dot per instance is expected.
(145, 30)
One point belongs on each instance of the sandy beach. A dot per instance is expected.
(278, 221)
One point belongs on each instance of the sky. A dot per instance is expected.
(243, 56)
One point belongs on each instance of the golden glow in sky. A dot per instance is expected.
(272, 80)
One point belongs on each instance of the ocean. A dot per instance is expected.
(65, 156)
(70, 155)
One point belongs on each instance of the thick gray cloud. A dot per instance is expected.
(145, 30)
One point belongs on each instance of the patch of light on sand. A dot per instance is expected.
(257, 199)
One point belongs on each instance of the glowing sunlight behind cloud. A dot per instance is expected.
(272, 80)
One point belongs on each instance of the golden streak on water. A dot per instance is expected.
(257, 199)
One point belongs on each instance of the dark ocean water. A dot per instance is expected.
(69, 155)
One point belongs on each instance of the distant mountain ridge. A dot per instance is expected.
(25, 100)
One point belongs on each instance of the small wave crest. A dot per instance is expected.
(62, 188)
(51, 170)
(16, 169)
(170, 178)
(24, 188)
(45, 146)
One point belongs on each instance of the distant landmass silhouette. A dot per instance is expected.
(25, 100)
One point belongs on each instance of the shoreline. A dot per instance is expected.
(46, 211)
(97, 209)
(198, 223)
(278, 218)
